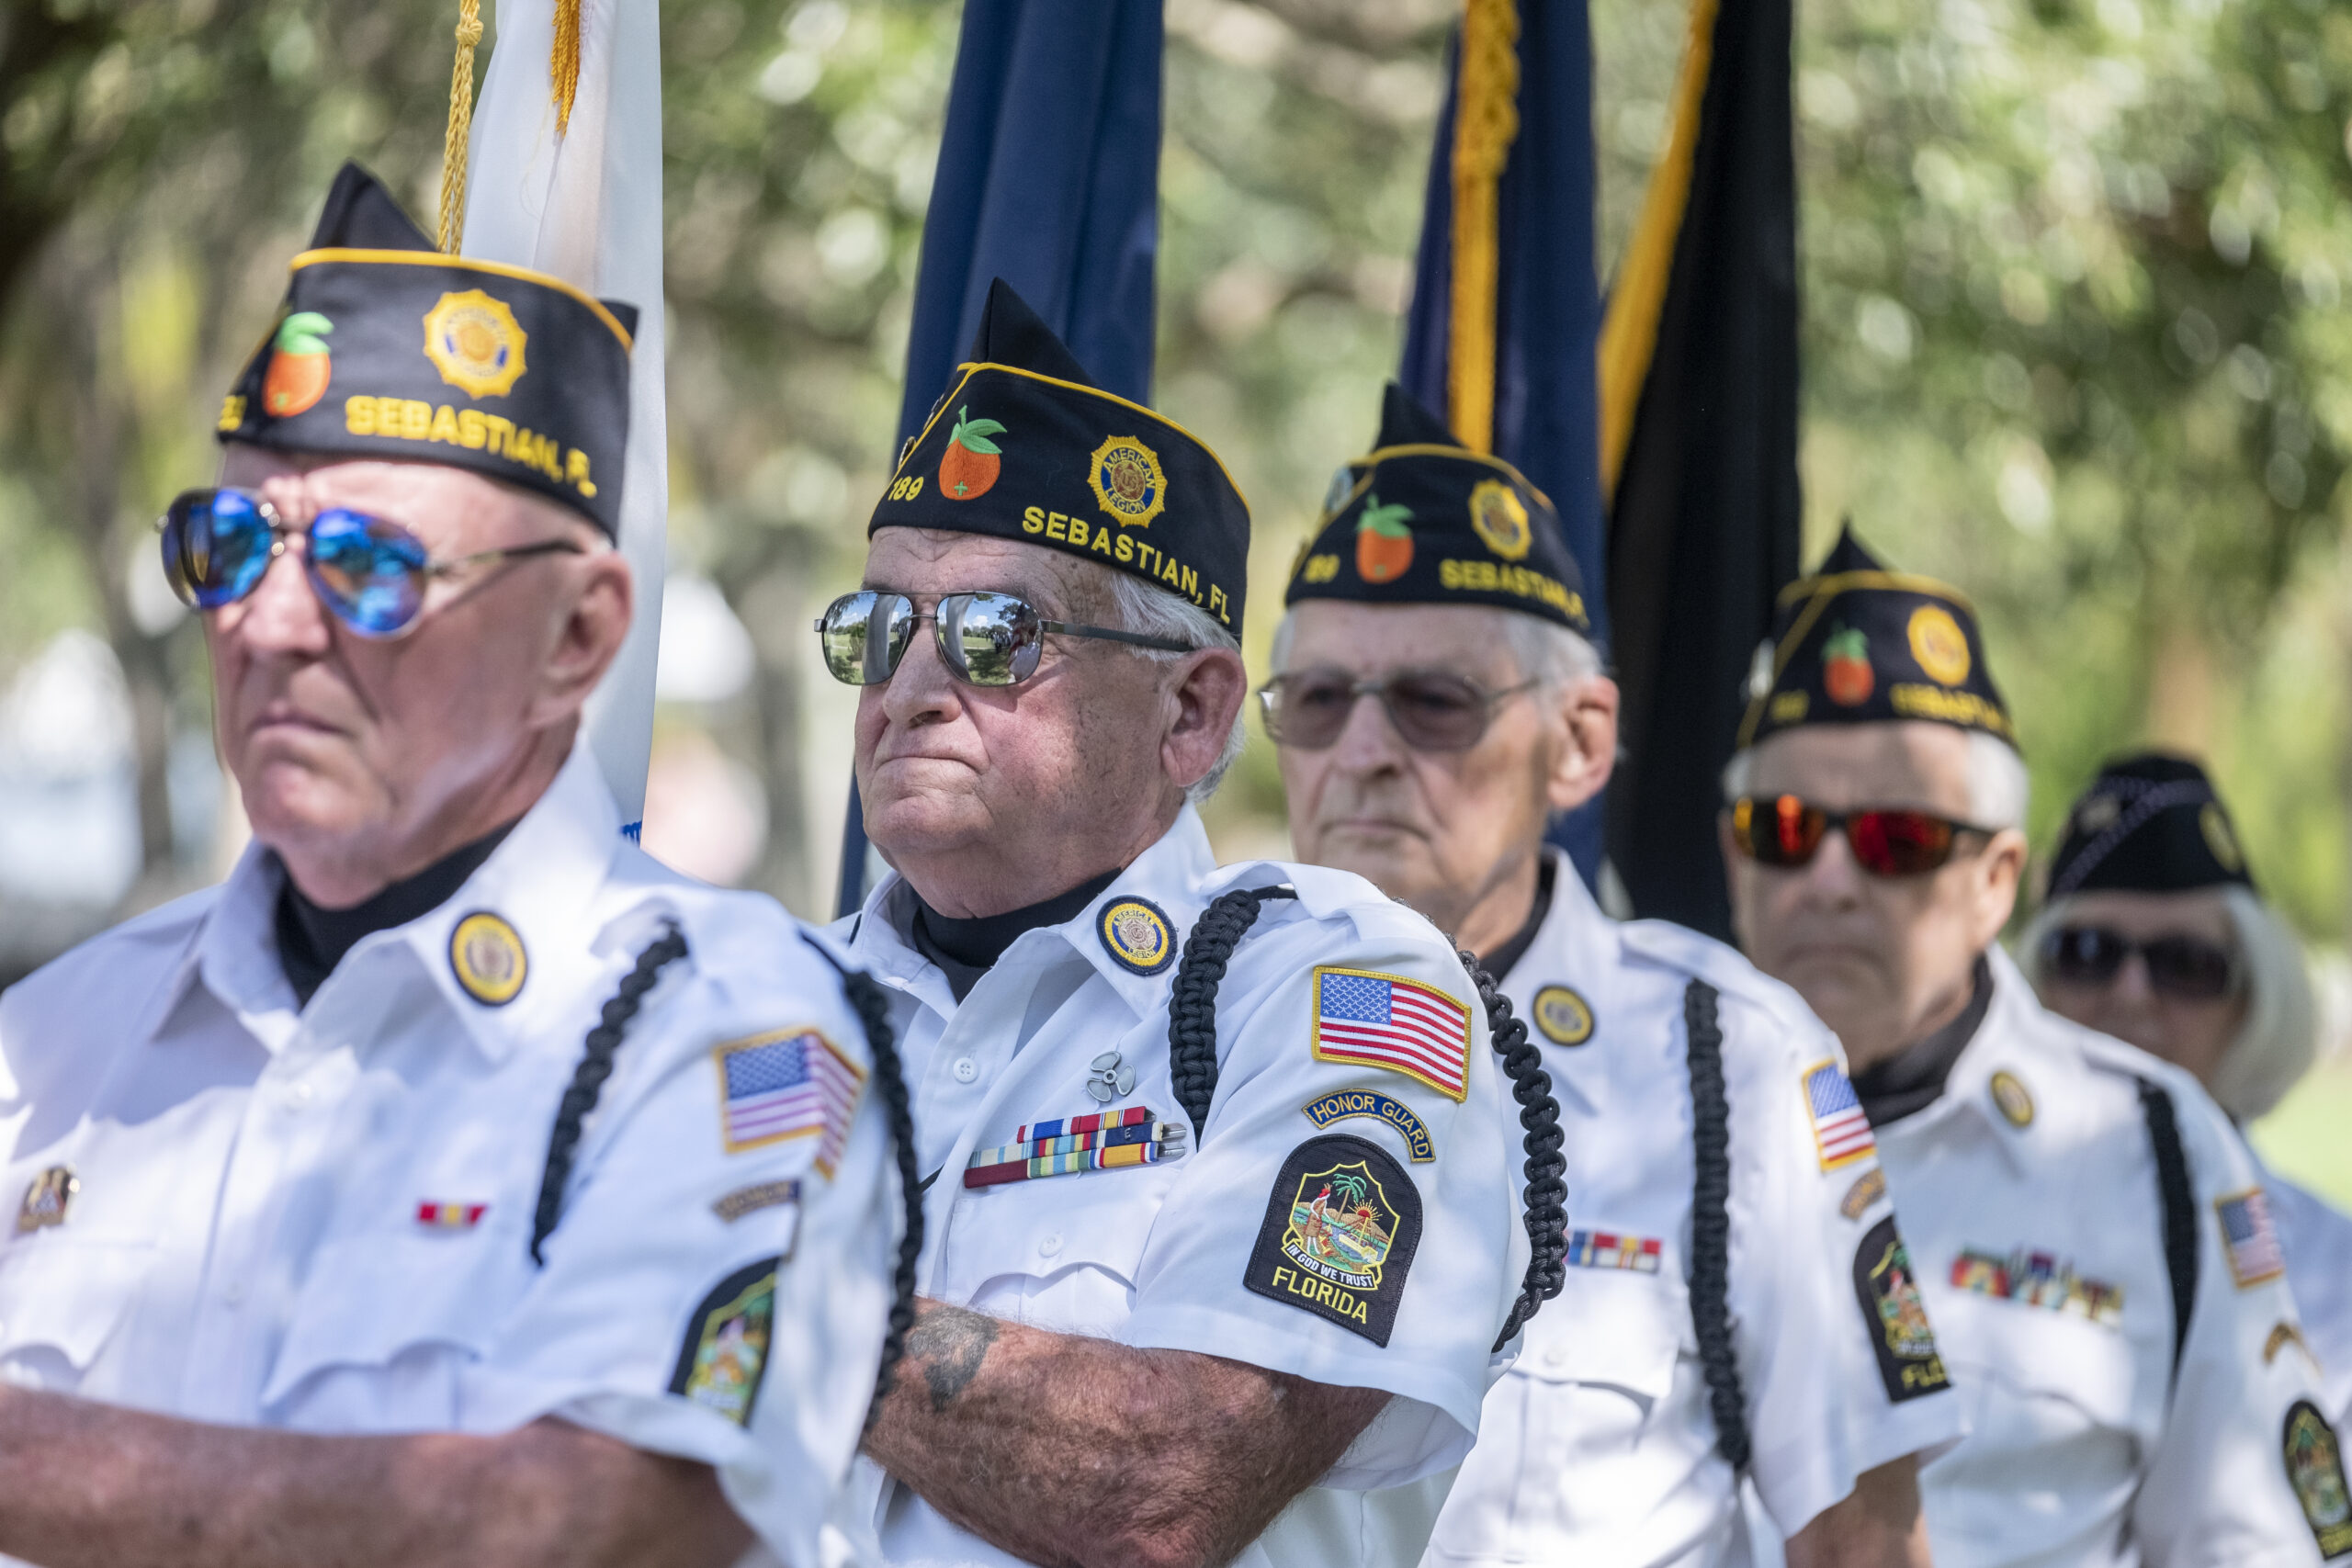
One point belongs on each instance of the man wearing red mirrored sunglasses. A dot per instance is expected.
(2088, 1232)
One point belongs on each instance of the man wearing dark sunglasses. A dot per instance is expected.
(438, 1188)
(1218, 1257)
(1432, 718)
(2086, 1229)
(2151, 929)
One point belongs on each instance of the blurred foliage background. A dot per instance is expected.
(2075, 339)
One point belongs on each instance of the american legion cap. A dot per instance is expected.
(2149, 823)
(1024, 446)
(1422, 519)
(1856, 643)
(386, 348)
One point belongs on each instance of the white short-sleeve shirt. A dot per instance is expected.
(2029, 1198)
(2317, 1238)
(319, 1220)
(1358, 1109)
(1600, 1446)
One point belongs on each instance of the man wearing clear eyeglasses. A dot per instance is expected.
(1436, 698)
(453, 1183)
(1224, 1238)
(2106, 1278)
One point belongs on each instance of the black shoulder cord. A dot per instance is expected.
(1192, 1061)
(2180, 1210)
(1711, 1224)
(588, 1077)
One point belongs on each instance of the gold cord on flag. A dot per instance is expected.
(461, 120)
(563, 64)
(1486, 121)
(1637, 294)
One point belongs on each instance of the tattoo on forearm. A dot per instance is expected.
(949, 1343)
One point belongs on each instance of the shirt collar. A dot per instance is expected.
(1994, 1047)
(541, 881)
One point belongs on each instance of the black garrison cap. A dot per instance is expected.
(1024, 445)
(2149, 823)
(1858, 644)
(1422, 519)
(386, 348)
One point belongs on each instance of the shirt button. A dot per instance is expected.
(299, 1098)
(232, 1295)
(1050, 1246)
(965, 1069)
(1554, 1355)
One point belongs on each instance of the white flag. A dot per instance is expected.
(584, 204)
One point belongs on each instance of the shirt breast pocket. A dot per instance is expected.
(1061, 1252)
(2052, 1403)
(62, 1298)
(1614, 1329)
(386, 1323)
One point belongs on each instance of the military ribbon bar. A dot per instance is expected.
(1105, 1141)
(1613, 1249)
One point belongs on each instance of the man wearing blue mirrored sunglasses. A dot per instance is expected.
(453, 1183)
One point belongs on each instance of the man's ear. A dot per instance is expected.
(1587, 714)
(593, 619)
(2000, 871)
(1207, 695)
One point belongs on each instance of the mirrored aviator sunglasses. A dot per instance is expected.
(1786, 832)
(372, 574)
(984, 638)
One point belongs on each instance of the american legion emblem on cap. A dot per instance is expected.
(1856, 643)
(1422, 519)
(386, 348)
(1024, 445)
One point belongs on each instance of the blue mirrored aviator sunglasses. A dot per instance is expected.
(218, 545)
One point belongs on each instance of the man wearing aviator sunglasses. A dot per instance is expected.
(2081, 1219)
(382, 1205)
(1431, 718)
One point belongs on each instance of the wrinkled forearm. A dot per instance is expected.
(1878, 1525)
(1073, 1451)
(87, 1485)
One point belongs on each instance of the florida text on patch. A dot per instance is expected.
(788, 1084)
(2250, 1237)
(1350, 1102)
(1386, 1020)
(1342, 1224)
(1841, 1134)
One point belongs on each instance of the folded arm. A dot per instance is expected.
(85, 1485)
(1877, 1524)
(1074, 1453)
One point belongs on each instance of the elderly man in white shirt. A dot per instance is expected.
(1711, 1326)
(1225, 1239)
(454, 1183)
(2090, 1235)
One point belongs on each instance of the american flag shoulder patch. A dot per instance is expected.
(1841, 1134)
(1364, 1018)
(2250, 1238)
(788, 1083)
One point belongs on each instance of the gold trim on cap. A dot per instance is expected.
(496, 269)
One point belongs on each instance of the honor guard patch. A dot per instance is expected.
(1341, 1226)
(2250, 1238)
(2315, 1470)
(1135, 934)
(47, 1201)
(1867, 1190)
(787, 1084)
(2011, 1098)
(1841, 1134)
(486, 954)
(751, 1200)
(1386, 1020)
(1350, 1102)
(1562, 1015)
(1894, 1317)
(725, 1353)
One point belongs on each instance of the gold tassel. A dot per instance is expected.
(461, 120)
(563, 64)
(1637, 294)
(1486, 121)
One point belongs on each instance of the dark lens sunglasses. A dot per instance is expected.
(985, 639)
(372, 574)
(2186, 968)
(1785, 831)
(1431, 710)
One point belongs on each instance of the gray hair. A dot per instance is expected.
(2280, 1039)
(1544, 651)
(1136, 606)
(1998, 788)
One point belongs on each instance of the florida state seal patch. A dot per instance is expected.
(1341, 1226)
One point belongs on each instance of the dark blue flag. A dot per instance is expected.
(1501, 335)
(1049, 178)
